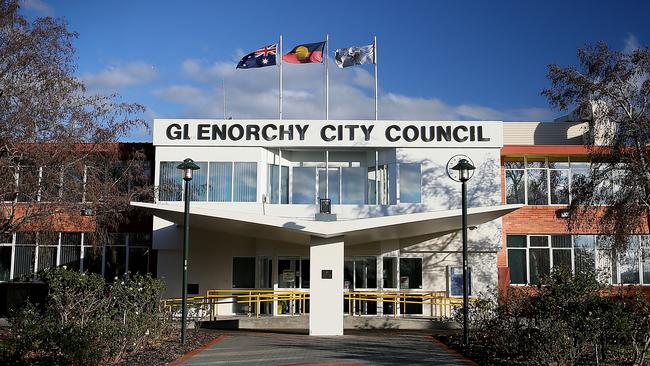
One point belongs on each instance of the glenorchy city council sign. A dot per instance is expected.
(332, 133)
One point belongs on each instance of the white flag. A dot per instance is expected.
(355, 56)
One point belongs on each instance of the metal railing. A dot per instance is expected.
(296, 302)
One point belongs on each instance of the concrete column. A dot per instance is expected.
(326, 294)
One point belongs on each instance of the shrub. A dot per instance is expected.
(87, 321)
(567, 320)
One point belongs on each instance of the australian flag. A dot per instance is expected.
(265, 56)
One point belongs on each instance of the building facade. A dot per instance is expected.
(255, 218)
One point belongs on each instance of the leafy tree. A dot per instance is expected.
(611, 93)
(54, 132)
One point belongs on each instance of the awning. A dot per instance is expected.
(300, 230)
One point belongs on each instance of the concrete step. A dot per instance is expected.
(349, 322)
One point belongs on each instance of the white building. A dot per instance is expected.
(255, 198)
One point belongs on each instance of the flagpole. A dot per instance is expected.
(374, 53)
(327, 78)
(280, 63)
(223, 87)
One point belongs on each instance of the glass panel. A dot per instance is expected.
(304, 273)
(645, 258)
(50, 184)
(6, 238)
(115, 263)
(26, 238)
(245, 182)
(140, 239)
(70, 257)
(243, 272)
(273, 184)
(456, 281)
(517, 265)
(365, 272)
(535, 162)
(516, 241)
(5, 263)
(537, 187)
(170, 186)
(605, 265)
(304, 185)
(199, 184)
(139, 260)
(410, 183)
(560, 241)
(46, 257)
(92, 261)
(558, 162)
(71, 239)
(559, 186)
(288, 273)
(562, 258)
(372, 186)
(629, 262)
(584, 253)
(540, 264)
(73, 185)
(27, 184)
(220, 183)
(410, 273)
(383, 185)
(353, 183)
(515, 186)
(333, 185)
(24, 261)
(513, 163)
(538, 241)
(390, 272)
(266, 272)
(348, 274)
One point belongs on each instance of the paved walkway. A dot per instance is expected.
(356, 348)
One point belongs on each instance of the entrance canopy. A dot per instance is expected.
(300, 230)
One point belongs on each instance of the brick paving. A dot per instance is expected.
(355, 348)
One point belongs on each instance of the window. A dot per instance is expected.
(410, 272)
(585, 253)
(214, 181)
(198, 188)
(220, 182)
(304, 185)
(170, 186)
(365, 272)
(536, 181)
(516, 245)
(273, 181)
(243, 272)
(5, 263)
(530, 257)
(390, 272)
(353, 183)
(245, 182)
(514, 174)
(410, 183)
(543, 180)
(332, 189)
(456, 281)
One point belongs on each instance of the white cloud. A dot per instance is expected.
(254, 94)
(118, 76)
(631, 43)
(37, 6)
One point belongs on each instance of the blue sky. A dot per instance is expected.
(437, 60)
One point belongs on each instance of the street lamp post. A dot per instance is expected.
(465, 171)
(187, 166)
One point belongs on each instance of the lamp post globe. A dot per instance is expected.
(465, 171)
(187, 167)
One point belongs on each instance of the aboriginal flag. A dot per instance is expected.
(305, 53)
